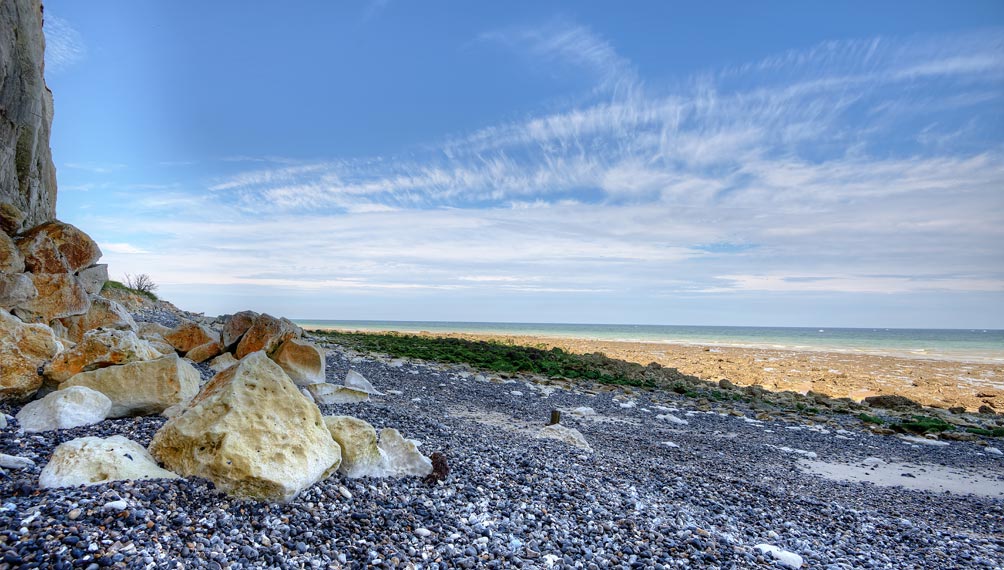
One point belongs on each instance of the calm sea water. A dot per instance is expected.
(979, 345)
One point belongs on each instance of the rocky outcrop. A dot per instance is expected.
(16, 289)
(189, 335)
(11, 260)
(100, 348)
(236, 326)
(57, 247)
(64, 409)
(93, 460)
(27, 175)
(250, 432)
(24, 348)
(59, 295)
(161, 386)
(266, 333)
(103, 313)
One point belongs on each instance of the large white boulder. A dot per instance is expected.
(161, 386)
(93, 460)
(302, 361)
(252, 433)
(99, 348)
(64, 409)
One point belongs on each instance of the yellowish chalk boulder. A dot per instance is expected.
(358, 439)
(102, 313)
(59, 295)
(266, 333)
(189, 335)
(252, 433)
(161, 386)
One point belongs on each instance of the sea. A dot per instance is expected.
(970, 345)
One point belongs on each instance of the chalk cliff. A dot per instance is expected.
(27, 175)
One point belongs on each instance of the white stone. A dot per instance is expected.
(423, 532)
(63, 409)
(119, 505)
(328, 394)
(672, 419)
(15, 462)
(583, 411)
(401, 456)
(568, 435)
(93, 460)
(783, 557)
(161, 386)
(358, 382)
(994, 451)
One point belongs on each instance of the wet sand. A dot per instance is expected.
(940, 383)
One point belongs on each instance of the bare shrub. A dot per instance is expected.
(141, 282)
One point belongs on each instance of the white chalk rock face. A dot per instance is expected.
(252, 433)
(358, 382)
(161, 386)
(401, 456)
(99, 348)
(329, 394)
(358, 439)
(571, 436)
(93, 460)
(303, 362)
(65, 409)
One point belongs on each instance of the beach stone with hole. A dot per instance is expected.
(251, 433)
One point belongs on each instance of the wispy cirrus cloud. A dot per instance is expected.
(818, 170)
(64, 46)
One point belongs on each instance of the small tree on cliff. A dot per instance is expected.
(142, 282)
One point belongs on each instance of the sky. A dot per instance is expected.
(712, 163)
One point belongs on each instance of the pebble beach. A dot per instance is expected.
(661, 485)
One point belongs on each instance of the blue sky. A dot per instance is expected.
(734, 163)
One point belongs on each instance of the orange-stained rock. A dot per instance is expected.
(99, 348)
(236, 326)
(57, 247)
(189, 335)
(204, 352)
(11, 219)
(102, 313)
(302, 361)
(267, 333)
(23, 347)
(59, 295)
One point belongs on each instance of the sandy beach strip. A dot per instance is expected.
(941, 383)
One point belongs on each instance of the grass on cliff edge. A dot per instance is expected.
(509, 358)
(116, 285)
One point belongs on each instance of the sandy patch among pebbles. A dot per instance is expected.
(917, 476)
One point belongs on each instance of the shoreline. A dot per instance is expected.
(933, 382)
(919, 354)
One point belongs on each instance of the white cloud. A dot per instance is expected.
(123, 248)
(64, 46)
